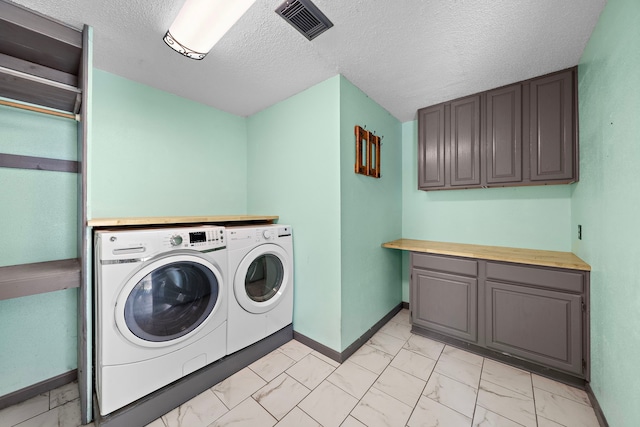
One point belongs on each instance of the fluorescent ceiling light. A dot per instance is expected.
(201, 23)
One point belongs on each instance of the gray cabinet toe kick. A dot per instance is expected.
(535, 314)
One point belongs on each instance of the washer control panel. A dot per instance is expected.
(202, 238)
(135, 244)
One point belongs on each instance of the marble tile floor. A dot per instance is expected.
(395, 379)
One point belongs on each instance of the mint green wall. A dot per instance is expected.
(38, 216)
(536, 217)
(606, 203)
(156, 154)
(38, 336)
(294, 172)
(370, 215)
(38, 223)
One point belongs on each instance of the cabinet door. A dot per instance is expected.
(445, 303)
(503, 143)
(431, 147)
(538, 325)
(551, 131)
(464, 141)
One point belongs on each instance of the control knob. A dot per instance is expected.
(267, 234)
(175, 240)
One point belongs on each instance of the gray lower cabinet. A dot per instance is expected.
(539, 314)
(536, 324)
(446, 303)
(444, 295)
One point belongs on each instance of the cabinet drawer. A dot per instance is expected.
(468, 267)
(564, 280)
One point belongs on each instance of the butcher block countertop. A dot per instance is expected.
(165, 220)
(494, 253)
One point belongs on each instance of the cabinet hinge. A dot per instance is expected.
(584, 366)
(584, 306)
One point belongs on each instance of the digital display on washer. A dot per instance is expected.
(197, 237)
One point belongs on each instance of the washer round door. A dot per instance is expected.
(262, 278)
(169, 300)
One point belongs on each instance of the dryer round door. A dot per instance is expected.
(262, 278)
(169, 300)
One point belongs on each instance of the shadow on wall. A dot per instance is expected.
(504, 193)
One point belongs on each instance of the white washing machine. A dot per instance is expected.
(261, 268)
(161, 308)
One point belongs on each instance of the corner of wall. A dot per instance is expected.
(605, 202)
(370, 214)
(294, 172)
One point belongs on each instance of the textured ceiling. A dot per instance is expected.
(404, 54)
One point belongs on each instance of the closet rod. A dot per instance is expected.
(39, 110)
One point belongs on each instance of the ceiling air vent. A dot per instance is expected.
(305, 17)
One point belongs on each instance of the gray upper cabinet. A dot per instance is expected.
(464, 141)
(503, 151)
(551, 127)
(431, 147)
(521, 134)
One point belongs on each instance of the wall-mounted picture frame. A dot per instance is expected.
(367, 153)
(362, 145)
(373, 155)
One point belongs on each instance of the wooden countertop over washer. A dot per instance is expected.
(494, 253)
(167, 220)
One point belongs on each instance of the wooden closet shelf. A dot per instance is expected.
(37, 278)
(40, 61)
(38, 163)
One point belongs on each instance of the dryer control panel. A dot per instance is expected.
(250, 235)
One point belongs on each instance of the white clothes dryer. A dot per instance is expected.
(161, 308)
(261, 268)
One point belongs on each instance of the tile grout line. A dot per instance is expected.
(514, 391)
(310, 389)
(475, 404)
(393, 356)
(533, 391)
(458, 381)
(296, 405)
(48, 393)
(535, 414)
(303, 411)
(425, 386)
(429, 378)
(426, 382)
(372, 384)
(561, 396)
(258, 403)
